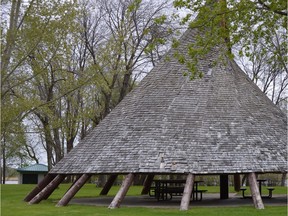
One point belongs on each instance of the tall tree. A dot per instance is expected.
(35, 38)
(118, 55)
(243, 22)
(269, 70)
(66, 65)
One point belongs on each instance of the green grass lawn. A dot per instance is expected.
(12, 205)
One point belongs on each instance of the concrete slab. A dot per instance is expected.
(209, 200)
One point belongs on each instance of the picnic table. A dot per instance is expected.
(166, 189)
(260, 181)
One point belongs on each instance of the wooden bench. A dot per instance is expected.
(171, 191)
(196, 193)
(168, 193)
(166, 189)
(270, 189)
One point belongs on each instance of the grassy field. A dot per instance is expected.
(12, 205)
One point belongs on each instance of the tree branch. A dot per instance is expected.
(267, 7)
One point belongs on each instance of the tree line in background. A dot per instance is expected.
(66, 64)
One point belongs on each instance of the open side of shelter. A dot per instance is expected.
(43, 192)
(220, 124)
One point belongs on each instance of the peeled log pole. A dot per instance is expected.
(108, 184)
(73, 190)
(224, 186)
(237, 182)
(48, 189)
(122, 191)
(257, 200)
(45, 181)
(147, 184)
(77, 178)
(187, 192)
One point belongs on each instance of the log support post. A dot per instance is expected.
(122, 191)
(257, 200)
(74, 182)
(73, 190)
(45, 181)
(108, 185)
(224, 186)
(48, 189)
(187, 192)
(237, 182)
(147, 184)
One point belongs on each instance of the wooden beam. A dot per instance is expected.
(187, 192)
(73, 190)
(257, 200)
(108, 184)
(122, 191)
(47, 195)
(74, 182)
(48, 189)
(224, 186)
(45, 181)
(147, 184)
(237, 182)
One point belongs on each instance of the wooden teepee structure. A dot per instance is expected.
(221, 124)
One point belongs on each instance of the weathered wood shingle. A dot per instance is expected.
(221, 123)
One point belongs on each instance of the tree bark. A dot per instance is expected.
(257, 200)
(47, 179)
(187, 192)
(237, 182)
(48, 189)
(108, 184)
(73, 190)
(102, 180)
(11, 36)
(122, 191)
(3, 171)
(57, 145)
(283, 179)
(125, 85)
(147, 184)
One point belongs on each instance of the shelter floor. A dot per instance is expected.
(209, 200)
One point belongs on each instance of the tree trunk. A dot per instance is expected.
(101, 180)
(47, 179)
(73, 190)
(125, 86)
(139, 179)
(245, 180)
(3, 171)
(147, 184)
(187, 192)
(70, 142)
(257, 200)
(11, 35)
(122, 191)
(48, 189)
(108, 184)
(57, 145)
(283, 179)
(49, 141)
(237, 182)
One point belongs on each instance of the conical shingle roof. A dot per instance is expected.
(221, 123)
